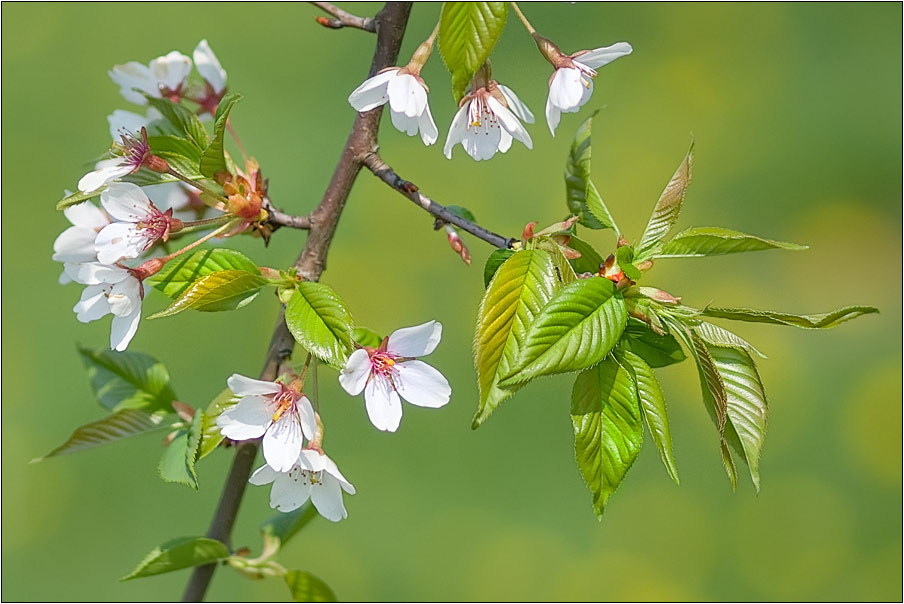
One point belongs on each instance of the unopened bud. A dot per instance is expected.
(458, 245)
(148, 268)
(528, 231)
(551, 52)
(155, 163)
(269, 273)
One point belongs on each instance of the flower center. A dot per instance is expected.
(479, 112)
(382, 362)
(284, 401)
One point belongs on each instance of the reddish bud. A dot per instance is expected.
(148, 268)
(155, 163)
(458, 245)
(528, 231)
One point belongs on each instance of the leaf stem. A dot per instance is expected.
(198, 242)
(198, 185)
(527, 25)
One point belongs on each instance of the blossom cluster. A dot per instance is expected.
(292, 432)
(95, 249)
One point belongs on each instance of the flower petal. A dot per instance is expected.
(249, 418)
(123, 329)
(566, 88)
(92, 181)
(457, 130)
(243, 386)
(515, 104)
(505, 141)
(417, 341)
(171, 69)
(92, 305)
(353, 376)
(126, 201)
(263, 475)
(86, 215)
(598, 57)
(75, 244)
(134, 75)
(553, 115)
(372, 93)
(117, 241)
(93, 273)
(429, 133)
(406, 95)
(330, 466)
(122, 121)
(209, 66)
(403, 123)
(125, 297)
(326, 495)
(383, 405)
(422, 385)
(510, 122)
(282, 443)
(290, 491)
(306, 417)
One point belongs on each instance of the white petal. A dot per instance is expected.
(406, 95)
(92, 181)
(566, 88)
(209, 66)
(372, 93)
(306, 417)
(249, 418)
(353, 376)
(92, 305)
(263, 475)
(417, 341)
(117, 241)
(457, 130)
(125, 121)
(86, 215)
(123, 329)
(552, 115)
(515, 105)
(282, 443)
(403, 123)
(167, 195)
(505, 142)
(290, 491)
(125, 297)
(422, 385)
(134, 75)
(601, 56)
(93, 273)
(126, 201)
(75, 244)
(429, 133)
(510, 122)
(312, 460)
(171, 70)
(326, 496)
(383, 405)
(64, 277)
(243, 386)
(330, 466)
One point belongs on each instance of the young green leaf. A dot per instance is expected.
(305, 587)
(178, 461)
(182, 120)
(320, 322)
(78, 197)
(494, 261)
(608, 429)
(624, 256)
(564, 271)
(714, 241)
(667, 209)
(222, 290)
(580, 193)
(717, 336)
(468, 31)
(285, 525)
(366, 337)
(176, 146)
(211, 437)
(517, 292)
(213, 159)
(574, 330)
(128, 380)
(462, 212)
(657, 350)
(652, 404)
(178, 554)
(823, 321)
(590, 260)
(122, 424)
(178, 275)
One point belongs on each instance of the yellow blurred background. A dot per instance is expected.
(796, 111)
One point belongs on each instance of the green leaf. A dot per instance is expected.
(652, 404)
(714, 241)
(178, 461)
(78, 197)
(717, 336)
(214, 158)
(624, 256)
(517, 292)
(608, 430)
(167, 145)
(366, 337)
(564, 272)
(657, 350)
(284, 526)
(746, 406)
(177, 276)
(222, 290)
(468, 31)
(494, 261)
(320, 322)
(580, 193)
(590, 260)
(128, 380)
(120, 425)
(462, 212)
(183, 120)
(211, 437)
(574, 330)
(823, 321)
(305, 587)
(178, 554)
(667, 209)
(145, 177)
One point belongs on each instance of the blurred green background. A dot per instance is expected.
(796, 111)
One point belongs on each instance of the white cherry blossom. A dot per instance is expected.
(139, 224)
(487, 122)
(391, 371)
(123, 122)
(313, 476)
(571, 84)
(135, 152)
(406, 94)
(76, 244)
(163, 77)
(209, 67)
(272, 410)
(110, 290)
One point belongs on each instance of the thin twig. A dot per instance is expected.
(343, 19)
(311, 262)
(410, 190)
(281, 219)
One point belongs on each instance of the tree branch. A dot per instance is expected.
(343, 19)
(281, 219)
(410, 190)
(390, 25)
